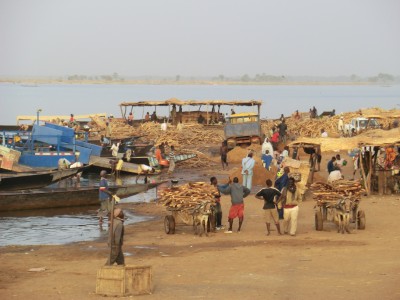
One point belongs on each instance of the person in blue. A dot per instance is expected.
(104, 197)
(267, 159)
(281, 183)
(331, 165)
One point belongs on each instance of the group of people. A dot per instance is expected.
(334, 167)
(281, 202)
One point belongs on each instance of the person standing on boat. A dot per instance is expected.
(104, 197)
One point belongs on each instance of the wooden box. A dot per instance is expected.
(124, 280)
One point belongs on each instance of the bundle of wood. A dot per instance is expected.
(306, 127)
(187, 196)
(191, 134)
(200, 161)
(324, 192)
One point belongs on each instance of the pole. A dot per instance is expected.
(37, 116)
(111, 233)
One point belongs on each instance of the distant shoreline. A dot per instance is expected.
(39, 81)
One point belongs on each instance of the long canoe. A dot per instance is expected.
(34, 179)
(64, 197)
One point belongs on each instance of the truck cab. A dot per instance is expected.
(243, 129)
(357, 125)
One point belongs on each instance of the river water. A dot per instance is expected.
(94, 98)
(64, 225)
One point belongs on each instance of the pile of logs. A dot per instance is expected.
(324, 192)
(306, 127)
(200, 161)
(187, 196)
(191, 134)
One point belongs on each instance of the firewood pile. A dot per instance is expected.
(187, 196)
(200, 161)
(191, 134)
(306, 127)
(119, 128)
(324, 192)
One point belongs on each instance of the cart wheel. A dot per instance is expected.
(324, 213)
(169, 224)
(361, 220)
(319, 225)
(211, 224)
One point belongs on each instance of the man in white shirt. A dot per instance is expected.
(164, 126)
(324, 134)
(247, 170)
(341, 126)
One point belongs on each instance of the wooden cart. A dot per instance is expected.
(325, 211)
(177, 216)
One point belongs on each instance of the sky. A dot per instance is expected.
(199, 38)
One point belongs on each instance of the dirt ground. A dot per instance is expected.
(248, 265)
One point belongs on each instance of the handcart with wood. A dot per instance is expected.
(329, 198)
(189, 204)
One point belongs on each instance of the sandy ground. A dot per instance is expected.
(248, 265)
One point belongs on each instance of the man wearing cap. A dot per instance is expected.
(117, 239)
(103, 197)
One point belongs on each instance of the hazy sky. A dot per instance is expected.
(199, 38)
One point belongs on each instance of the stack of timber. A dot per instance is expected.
(190, 135)
(324, 192)
(306, 127)
(200, 161)
(187, 196)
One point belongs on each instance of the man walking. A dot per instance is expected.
(270, 195)
(237, 192)
(247, 170)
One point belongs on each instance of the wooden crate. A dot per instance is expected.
(124, 280)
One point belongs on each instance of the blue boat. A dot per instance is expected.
(45, 145)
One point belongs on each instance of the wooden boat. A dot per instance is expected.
(127, 167)
(11, 182)
(35, 179)
(64, 197)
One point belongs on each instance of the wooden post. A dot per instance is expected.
(381, 183)
(122, 112)
(367, 188)
(314, 164)
(111, 229)
(207, 114)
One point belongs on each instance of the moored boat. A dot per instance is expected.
(34, 179)
(64, 197)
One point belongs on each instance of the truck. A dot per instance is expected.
(243, 129)
(357, 125)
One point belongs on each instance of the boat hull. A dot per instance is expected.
(59, 197)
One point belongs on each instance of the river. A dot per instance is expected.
(64, 99)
